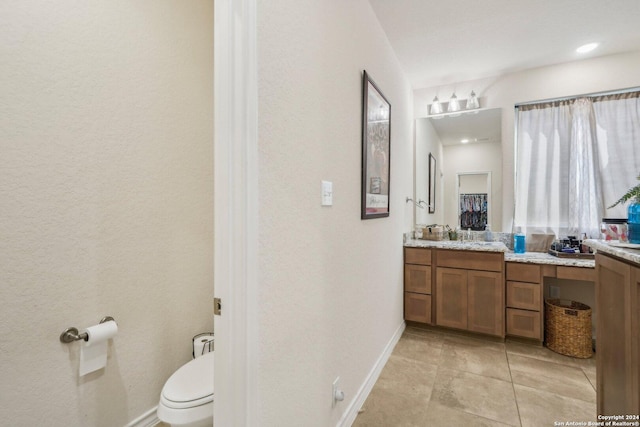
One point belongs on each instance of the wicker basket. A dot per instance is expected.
(433, 233)
(567, 328)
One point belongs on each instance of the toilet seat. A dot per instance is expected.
(187, 396)
(191, 385)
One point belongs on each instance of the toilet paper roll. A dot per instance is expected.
(202, 344)
(93, 353)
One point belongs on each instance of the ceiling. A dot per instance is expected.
(446, 41)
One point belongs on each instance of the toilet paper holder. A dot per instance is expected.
(72, 334)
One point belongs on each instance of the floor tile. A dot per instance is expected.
(401, 394)
(560, 379)
(442, 416)
(543, 353)
(442, 378)
(469, 356)
(408, 376)
(475, 394)
(419, 347)
(541, 408)
(591, 375)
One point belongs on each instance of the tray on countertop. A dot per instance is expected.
(578, 255)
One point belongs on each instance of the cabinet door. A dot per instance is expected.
(635, 342)
(486, 302)
(417, 307)
(451, 297)
(417, 278)
(613, 350)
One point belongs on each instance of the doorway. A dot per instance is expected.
(474, 200)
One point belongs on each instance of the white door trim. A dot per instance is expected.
(236, 212)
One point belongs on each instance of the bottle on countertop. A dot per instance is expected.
(488, 235)
(519, 245)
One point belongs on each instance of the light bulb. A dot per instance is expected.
(472, 102)
(436, 108)
(454, 104)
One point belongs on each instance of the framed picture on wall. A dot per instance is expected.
(376, 143)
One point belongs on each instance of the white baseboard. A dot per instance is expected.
(351, 413)
(148, 419)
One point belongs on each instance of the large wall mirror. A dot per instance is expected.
(465, 144)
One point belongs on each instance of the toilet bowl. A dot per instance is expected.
(187, 396)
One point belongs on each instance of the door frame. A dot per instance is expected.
(235, 212)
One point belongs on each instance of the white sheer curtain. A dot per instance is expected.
(573, 159)
(542, 172)
(584, 190)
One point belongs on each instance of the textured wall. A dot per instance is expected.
(106, 189)
(331, 283)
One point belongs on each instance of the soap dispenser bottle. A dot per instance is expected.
(488, 235)
(519, 241)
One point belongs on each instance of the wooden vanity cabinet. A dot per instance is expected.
(618, 336)
(417, 285)
(469, 291)
(524, 300)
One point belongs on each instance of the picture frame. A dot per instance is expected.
(432, 184)
(376, 150)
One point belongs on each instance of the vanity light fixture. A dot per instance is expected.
(587, 47)
(453, 107)
(464, 141)
(436, 107)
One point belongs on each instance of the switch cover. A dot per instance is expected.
(327, 193)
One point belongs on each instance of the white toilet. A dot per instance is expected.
(187, 396)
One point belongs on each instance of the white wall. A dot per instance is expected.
(331, 283)
(106, 182)
(572, 78)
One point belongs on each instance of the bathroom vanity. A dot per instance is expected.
(618, 326)
(482, 287)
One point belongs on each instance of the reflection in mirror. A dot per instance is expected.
(474, 200)
(482, 152)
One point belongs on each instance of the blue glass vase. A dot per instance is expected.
(633, 222)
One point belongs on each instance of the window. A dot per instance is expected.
(574, 158)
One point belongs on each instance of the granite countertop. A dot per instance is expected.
(544, 258)
(528, 257)
(607, 247)
(458, 245)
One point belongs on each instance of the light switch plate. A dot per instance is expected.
(327, 193)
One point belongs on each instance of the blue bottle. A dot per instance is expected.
(633, 222)
(519, 245)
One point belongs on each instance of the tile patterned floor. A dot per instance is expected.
(438, 378)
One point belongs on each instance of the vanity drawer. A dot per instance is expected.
(417, 256)
(417, 278)
(417, 307)
(524, 295)
(524, 323)
(470, 260)
(576, 273)
(519, 272)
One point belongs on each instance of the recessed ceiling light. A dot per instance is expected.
(587, 47)
(464, 141)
